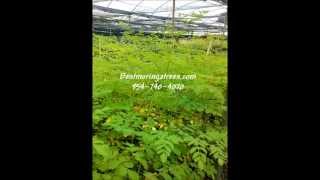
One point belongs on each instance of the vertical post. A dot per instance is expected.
(173, 14)
(99, 47)
(209, 47)
(225, 24)
(129, 18)
(129, 26)
(106, 28)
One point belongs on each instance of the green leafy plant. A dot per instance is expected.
(163, 134)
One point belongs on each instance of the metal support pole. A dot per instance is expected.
(173, 14)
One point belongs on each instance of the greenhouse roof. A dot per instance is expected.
(196, 16)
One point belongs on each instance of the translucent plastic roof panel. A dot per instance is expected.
(152, 14)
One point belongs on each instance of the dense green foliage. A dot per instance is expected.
(159, 134)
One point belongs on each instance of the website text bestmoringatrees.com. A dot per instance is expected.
(126, 76)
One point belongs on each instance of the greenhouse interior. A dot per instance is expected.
(154, 15)
(160, 90)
